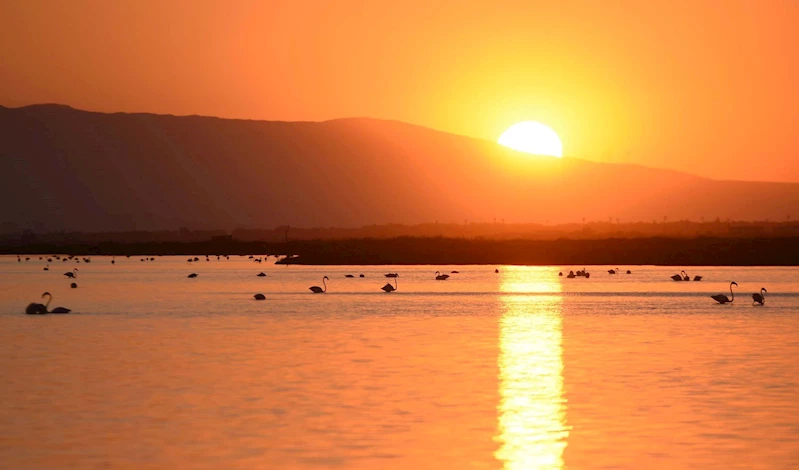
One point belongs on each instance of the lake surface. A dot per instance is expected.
(520, 369)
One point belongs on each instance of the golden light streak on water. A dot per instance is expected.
(532, 425)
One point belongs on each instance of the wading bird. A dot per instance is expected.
(441, 277)
(36, 308)
(389, 288)
(761, 297)
(72, 274)
(319, 290)
(39, 309)
(677, 277)
(723, 299)
(259, 296)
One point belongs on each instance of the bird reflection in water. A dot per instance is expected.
(532, 428)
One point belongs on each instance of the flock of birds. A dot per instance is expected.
(39, 309)
(757, 298)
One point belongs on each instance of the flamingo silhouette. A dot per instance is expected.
(192, 275)
(319, 290)
(611, 271)
(761, 297)
(47, 268)
(723, 299)
(389, 288)
(441, 277)
(259, 296)
(677, 277)
(39, 309)
(36, 308)
(72, 274)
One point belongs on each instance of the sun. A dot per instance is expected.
(532, 137)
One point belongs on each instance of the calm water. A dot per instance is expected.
(516, 370)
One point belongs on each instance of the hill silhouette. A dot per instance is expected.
(66, 169)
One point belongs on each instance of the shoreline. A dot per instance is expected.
(657, 251)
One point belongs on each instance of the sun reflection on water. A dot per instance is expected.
(532, 410)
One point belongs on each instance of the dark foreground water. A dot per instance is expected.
(520, 370)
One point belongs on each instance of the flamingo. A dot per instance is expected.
(72, 274)
(47, 268)
(391, 275)
(389, 288)
(496, 271)
(761, 297)
(361, 275)
(560, 273)
(259, 296)
(192, 275)
(723, 299)
(348, 275)
(73, 285)
(39, 309)
(454, 272)
(571, 275)
(611, 271)
(629, 272)
(261, 274)
(677, 277)
(441, 277)
(697, 278)
(319, 290)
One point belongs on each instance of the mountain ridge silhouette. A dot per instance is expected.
(68, 169)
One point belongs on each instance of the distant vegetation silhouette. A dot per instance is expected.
(699, 251)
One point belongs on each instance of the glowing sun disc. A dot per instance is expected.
(532, 137)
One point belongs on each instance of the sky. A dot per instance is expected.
(705, 87)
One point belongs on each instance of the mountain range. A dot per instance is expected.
(63, 169)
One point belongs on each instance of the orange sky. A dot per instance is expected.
(710, 87)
